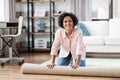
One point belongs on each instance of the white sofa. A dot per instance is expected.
(105, 36)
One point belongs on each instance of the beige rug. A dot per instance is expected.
(94, 67)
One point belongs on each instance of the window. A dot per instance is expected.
(100, 9)
(2, 10)
(116, 8)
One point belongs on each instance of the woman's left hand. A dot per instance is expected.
(74, 66)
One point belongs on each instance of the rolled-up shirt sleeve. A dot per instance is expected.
(56, 43)
(80, 49)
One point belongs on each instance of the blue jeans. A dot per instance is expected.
(66, 61)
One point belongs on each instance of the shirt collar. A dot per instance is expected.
(64, 35)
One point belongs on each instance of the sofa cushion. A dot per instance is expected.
(114, 27)
(93, 40)
(84, 29)
(112, 40)
(97, 28)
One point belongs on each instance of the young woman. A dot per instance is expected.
(68, 40)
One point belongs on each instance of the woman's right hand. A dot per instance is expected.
(50, 66)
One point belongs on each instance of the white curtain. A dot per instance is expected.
(82, 9)
(10, 11)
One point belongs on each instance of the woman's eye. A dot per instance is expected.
(70, 21)
(67, 21)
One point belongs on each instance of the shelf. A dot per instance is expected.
(46, 17)
(32, 30)
(41, 49)
(24, 33)
(39, 32)
(38, 1)
(23, 2)
(46, 1)
(56, 15)
(53, 33)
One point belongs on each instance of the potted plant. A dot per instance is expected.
(23, 28)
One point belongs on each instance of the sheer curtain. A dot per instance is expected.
(82, 9)
(10, 11)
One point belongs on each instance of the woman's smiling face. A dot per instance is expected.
(68, 23)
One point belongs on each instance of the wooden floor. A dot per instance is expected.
(12, 71)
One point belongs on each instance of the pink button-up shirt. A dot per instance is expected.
(73, 44)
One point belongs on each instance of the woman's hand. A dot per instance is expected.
(50, 66)
(52, 63)
(75, 66)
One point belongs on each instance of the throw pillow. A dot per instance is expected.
(84, 29)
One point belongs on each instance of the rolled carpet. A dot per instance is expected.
(102, 71)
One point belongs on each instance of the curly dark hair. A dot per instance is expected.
(63, 15)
